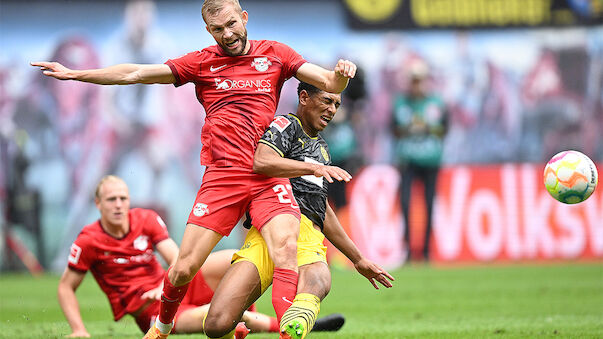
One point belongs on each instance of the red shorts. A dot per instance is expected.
(198, 294)
(228, 192)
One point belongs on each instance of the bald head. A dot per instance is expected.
(105, 179)
(113, 202)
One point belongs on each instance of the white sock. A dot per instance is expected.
(163, 328)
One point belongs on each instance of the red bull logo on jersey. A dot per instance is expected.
(261, 64)
(200, 209)
(262, 85)
(141, 243)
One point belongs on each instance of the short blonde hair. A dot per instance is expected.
(104, 179)
(211, 7)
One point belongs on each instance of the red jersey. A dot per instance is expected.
(123, 268)
(240, 95)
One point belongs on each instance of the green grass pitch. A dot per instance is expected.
(562, 300)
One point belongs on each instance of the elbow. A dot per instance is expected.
(66, 287)
(259, 166)
(62, 290)
(131, 75)
(129, 79)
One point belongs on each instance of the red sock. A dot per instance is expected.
(274, 325)
(252, 308)
(284, 288)
(170, 299)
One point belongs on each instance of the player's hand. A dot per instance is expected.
(345, 68)
(374, 273)
(332, 172)
(79, 334)
(154, 294)
(53, 69)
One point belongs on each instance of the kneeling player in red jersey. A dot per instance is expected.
(118, 250)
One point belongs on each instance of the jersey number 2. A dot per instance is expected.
(283, 192)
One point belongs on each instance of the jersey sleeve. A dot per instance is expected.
(82, 254)
(185, 68)
(156, 228)
(292, 60)
(280, 135)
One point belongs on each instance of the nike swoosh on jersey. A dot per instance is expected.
(287, 300)
(213, 69)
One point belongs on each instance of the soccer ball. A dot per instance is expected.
(570, 177)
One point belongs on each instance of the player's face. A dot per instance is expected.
(113, 202)
(318, 110)
(228, 29)
(417, 86)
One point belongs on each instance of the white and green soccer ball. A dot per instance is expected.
(570, 177)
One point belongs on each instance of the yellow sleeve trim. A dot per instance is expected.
(273, 147)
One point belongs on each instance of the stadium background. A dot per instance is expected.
(517, 95)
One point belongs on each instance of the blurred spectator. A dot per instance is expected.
(553, 104)
(139, 111)
(69, 139)
(419, 125)
(343, 145)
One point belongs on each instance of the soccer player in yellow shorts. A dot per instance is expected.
(293, 148)
(310, 250)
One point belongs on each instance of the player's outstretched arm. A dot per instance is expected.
(268, 162)
(168, 249)
(334, 81)
(122, 74)
(337, 236)
(70, 281)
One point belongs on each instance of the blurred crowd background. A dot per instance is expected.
(515, 95)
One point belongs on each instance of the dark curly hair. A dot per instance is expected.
(307, 87)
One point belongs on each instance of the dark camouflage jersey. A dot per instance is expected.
(287, 137)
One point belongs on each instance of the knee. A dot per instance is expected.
(218, 325)
(286, 253)
(289, 247)
(181, 274)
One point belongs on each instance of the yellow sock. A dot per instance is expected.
(305, 309)
(229, 335)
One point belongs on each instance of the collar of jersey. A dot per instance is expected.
(302, 127)
(221, 52)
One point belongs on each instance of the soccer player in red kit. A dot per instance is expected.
(238, 82)
(118, 250)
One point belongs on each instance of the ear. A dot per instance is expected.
(303, 97)
(244, 17)
(97, 203)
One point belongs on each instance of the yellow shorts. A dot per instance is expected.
(310, 249)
